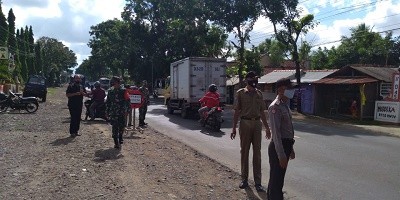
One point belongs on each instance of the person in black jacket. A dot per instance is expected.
(75, 93)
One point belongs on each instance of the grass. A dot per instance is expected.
(51, 90)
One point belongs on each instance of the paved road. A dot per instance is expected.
(332, 162)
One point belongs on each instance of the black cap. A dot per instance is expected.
(284, 82)
(251, 74)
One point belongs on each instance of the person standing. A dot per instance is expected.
(75, 93)
(128, 90)
(143, 109)
(280, 148)
(117, 110)
(249, 106)
(98, 95)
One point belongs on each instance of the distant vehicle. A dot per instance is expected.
(189, 81)
(36, 87)
(105, 83)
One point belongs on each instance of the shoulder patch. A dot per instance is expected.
(273, 110)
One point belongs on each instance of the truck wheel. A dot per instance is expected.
(184, 113)
(170, 110)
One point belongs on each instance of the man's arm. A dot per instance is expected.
(69, 93)
(264, 121)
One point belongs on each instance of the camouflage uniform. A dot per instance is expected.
(117, 107)
(143, 109)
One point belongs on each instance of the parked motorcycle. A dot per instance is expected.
(99, 112)
(16, 102)
(213, 118)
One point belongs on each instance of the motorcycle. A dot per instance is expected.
(16, 102)
(213, 118)
(155, 94)
(99, 112)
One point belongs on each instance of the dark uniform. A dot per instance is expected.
(143, 109)
(75, 104)
(250, 104)
(117, 106)
(281, 146)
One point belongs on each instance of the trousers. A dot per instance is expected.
(250, 134)
(75, 113)
(277, 173)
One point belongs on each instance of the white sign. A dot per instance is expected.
(387, 111)
(396, 86)
(4, 53)
(135, 98)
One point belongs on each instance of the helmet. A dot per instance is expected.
(212, 88)
(97, 84)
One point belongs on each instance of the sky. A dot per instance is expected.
(69, 21)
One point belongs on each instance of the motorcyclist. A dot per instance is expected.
(98, 95)
(209, 100)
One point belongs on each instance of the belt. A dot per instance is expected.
(250, 118)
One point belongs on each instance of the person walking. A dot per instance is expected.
(117, 110)
(249, 106)
(75, 93)
(143, 109)
(280, 148)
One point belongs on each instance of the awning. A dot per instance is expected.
(346, 80)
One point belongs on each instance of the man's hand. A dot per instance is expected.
(233, 134)
(267, 134)
(283, 162)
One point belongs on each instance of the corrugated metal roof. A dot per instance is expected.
(232, 81)
(276, 75)
(311, 76)
(346, 80)
(380, 73)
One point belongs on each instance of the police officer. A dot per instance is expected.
(75, 93)
(280, 148)
(117, 110)
(143, 108)
(249, 106)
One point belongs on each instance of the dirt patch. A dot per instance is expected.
(39, 160)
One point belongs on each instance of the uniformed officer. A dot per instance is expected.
(281, 147)
(249, 106)
(143, 108)
(117, 110)
(75, 93)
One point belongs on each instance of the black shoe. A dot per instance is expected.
(117, 146)
(72, 135)
(243, 184)
(260, 188)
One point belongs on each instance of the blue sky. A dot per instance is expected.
(69, 20)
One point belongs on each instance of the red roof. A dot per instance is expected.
(346, 80)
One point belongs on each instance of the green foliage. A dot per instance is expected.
(3, 29)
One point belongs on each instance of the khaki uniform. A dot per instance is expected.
(250, 105)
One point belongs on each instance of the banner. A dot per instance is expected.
(396, 87)
(387, 111)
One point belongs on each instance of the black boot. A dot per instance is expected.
(121, 139)
(116, 143)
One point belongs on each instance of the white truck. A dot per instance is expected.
(190, 78)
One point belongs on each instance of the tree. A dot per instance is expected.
(12, 43)
(285, 14)
(237, 16)
(319, 59)
(56, 59)
(3, 29)
(275, 50)
(21, 42)
(30, 50)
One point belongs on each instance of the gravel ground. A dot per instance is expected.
(38, 160)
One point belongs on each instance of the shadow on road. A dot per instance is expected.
(62, 141)
(107, 154)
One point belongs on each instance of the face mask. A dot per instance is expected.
(289, 93)
(252, 83)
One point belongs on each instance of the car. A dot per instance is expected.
(36, 87)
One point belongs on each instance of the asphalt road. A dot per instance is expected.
(332, 162)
